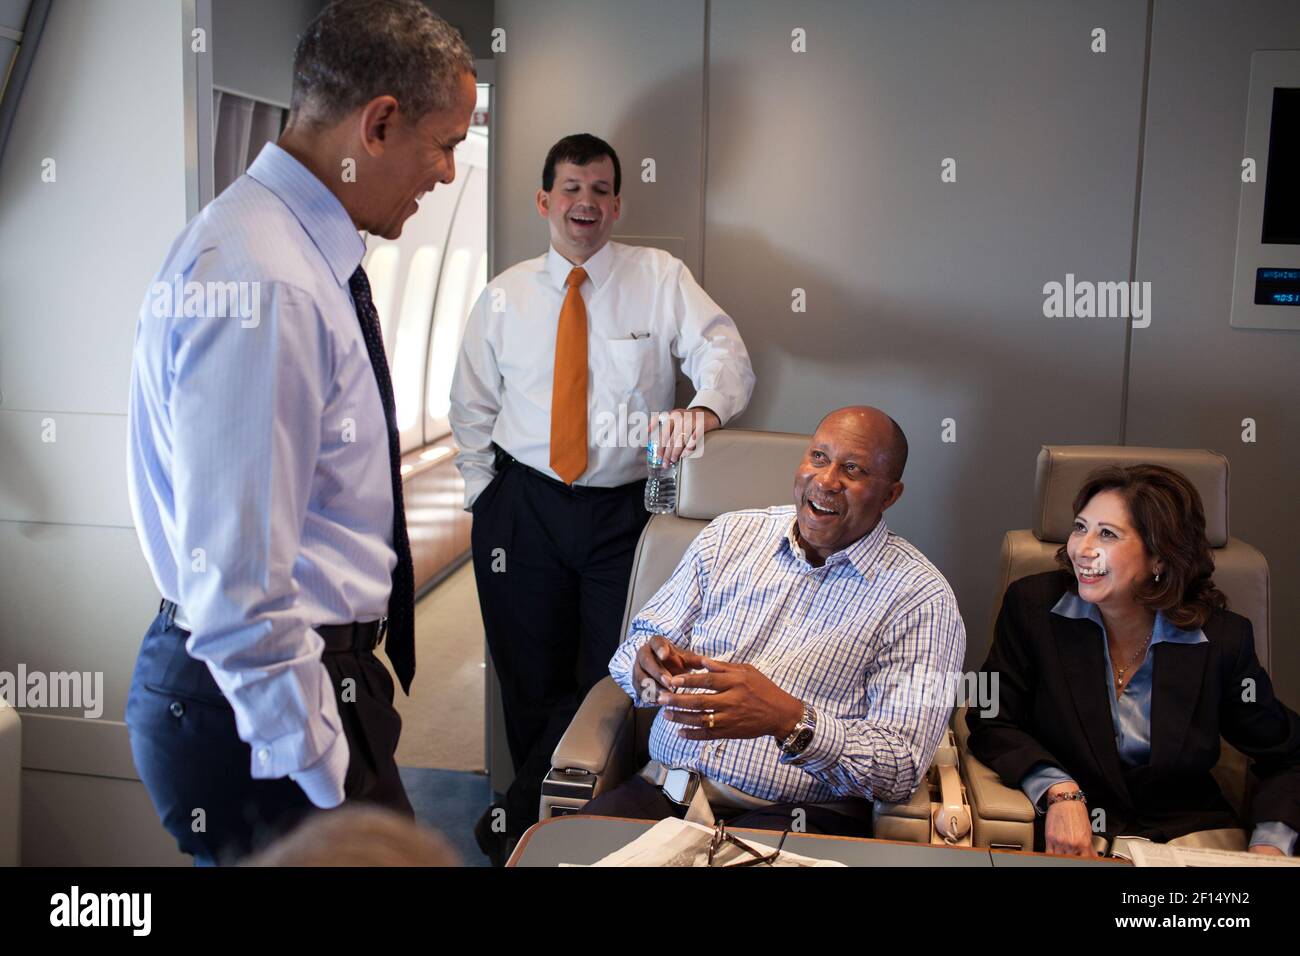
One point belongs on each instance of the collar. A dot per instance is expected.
(1072, 606)
(598, 266)
(860, 555)
(319, 210)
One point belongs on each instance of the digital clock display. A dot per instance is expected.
(1277, 286)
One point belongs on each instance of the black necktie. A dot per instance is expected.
(400, 639)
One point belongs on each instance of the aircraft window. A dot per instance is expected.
(453, 307)
(407, 355)
(381, 269)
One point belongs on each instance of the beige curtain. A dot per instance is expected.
(241, 127)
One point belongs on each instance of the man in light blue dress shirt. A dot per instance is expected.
(262, 452)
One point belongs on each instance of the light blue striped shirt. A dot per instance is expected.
(847, 638)
(258, 458)
(1130, 713)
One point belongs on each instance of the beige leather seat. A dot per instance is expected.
(607, 740)
(11, 775)
(1002, 816)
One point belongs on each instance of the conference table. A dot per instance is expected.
(582, 840)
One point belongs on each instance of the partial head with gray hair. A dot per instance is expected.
(383, 92)
(356, 50)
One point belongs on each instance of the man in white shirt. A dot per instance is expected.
(565, 360)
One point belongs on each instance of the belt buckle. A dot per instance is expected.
(680, 785)
(168, 609)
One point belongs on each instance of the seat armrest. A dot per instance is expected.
(11, 767)
(915, 807)
(1001, 816)
(599, 738)
(907, 821)
(990, 797)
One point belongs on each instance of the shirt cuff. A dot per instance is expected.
(621, 667)
(1275, 833)
(715, 402)
(475, 487)
(824, 750)
(1040, 778)
(323, 780)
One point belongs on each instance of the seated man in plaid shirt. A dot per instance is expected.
(778, 648)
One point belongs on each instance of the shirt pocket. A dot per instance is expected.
(634, 362)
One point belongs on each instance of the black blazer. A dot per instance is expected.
(1053, 707)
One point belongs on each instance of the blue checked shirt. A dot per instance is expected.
(843, 638)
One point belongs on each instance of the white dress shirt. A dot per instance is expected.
(258, 462)
(643, 309)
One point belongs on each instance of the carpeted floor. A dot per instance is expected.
(450, 801)
(443, 723)
(442, 747)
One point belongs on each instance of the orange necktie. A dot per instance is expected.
(569, 389)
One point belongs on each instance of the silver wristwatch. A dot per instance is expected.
(802, 735)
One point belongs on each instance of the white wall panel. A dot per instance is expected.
(627, 72)
(77, 478)
(104, 102)
(1194, 378)
(75, 598)
(924, 297)
(71, 820)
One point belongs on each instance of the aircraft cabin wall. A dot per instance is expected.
(822, 173)
(779, 177)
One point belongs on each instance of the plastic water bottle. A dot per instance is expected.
(661, 484)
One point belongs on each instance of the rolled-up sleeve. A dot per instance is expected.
(476, 401)
(246, 405)
(671, 612)
(713, 354)
(885, 753)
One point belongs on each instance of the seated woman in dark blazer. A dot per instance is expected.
(1118, 674)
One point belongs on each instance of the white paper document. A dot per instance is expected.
(1146, 853)
(674, 842)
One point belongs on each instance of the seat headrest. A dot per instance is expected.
(738, 469)
(1062, 470)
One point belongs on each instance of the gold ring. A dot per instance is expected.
(710, 720)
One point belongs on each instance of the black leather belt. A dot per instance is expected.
(503, 460)
(339, 638)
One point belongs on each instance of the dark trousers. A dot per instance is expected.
(642, 800)
(191, 759)
(552, 564)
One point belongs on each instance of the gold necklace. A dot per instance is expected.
(1141, 652)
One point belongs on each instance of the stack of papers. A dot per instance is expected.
(1146, 853)
(674, 842)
